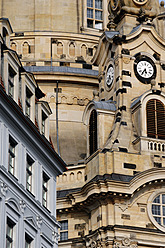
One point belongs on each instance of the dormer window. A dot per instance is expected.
(155, 119)
(93, 132)
(44, 117)
(11, 82)
(27, 102)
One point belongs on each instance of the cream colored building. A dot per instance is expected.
(116, 199)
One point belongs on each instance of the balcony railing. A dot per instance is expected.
(150, 144)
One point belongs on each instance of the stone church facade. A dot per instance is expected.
(117, 198)
(113, 194)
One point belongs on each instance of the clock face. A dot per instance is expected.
(140, 2)
(110, 76)
(145, 69)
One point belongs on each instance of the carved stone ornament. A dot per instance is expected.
(39, 221)
(22, 205)
(55, 236)
(116, 62)
(123, 206)
(126, 60)
(111, 25)
(3, 189)
(93, 242)
(125, 243)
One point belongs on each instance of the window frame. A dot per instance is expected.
(149, 208)
(93, 132)
(155, 113)
(28, 102)
(45, 189)
(63, 230)
(28, 240)
(93, 19)
(11, 76)
(29, 173)
(43, 122)
(9, 238)
(12, 155)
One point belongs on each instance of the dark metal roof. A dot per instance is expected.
(105, 105)
(111, 34)
(63, 69)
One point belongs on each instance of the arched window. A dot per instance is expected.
(72, 49)
(155, 119)
(59, 48)
(26, 48)
(93, 132)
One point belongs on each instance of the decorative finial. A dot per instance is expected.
(111, 25)
(162, 4)
(142, 15)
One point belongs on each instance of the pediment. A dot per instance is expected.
(12, 203)
(147, 36)
(31, 221)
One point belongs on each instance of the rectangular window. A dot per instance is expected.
(11, 157)
(95, 14)
(43, 123)
(45, 180)
(27, 102)
(9, 233)
(11, 82)
(64, 230)
(29, 163)
(28, 241)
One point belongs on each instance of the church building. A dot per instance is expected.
(117, 198)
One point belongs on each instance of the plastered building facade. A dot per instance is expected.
(29, 164)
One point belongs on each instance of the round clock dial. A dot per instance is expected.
(110, 76)
(140, 2)
(145, 69)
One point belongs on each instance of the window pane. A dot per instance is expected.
(89, 23)
(64, 225)
(163, 221)
(98, 15)
(157, 199)
(90, 3)
(156, 209)
(89, 13)
(63, 235)
(163, 198)
(98, 25)
(163, 210)
(98, 4)
(158, 219)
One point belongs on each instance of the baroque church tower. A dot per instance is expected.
(120, 201)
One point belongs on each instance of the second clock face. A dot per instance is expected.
(110, 76)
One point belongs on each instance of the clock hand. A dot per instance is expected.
(144, 71)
